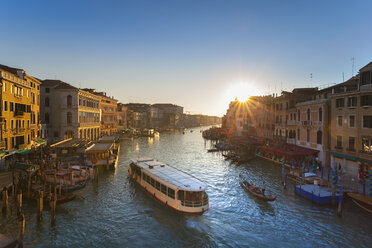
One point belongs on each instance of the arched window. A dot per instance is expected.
(319, 137)
(47, 118)
(320, 114)
(299, 115)
(69, 100)
(47, 102)
(69, 118)
(308, 114)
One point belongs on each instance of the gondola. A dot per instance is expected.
(65, 198)
(255, 190)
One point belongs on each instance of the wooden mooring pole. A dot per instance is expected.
(53, 209)
(5, 199)
(19, 200)
(40, 205)
(21, 232)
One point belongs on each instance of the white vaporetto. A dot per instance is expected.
(172, 187)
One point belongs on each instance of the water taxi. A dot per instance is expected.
(170, 186)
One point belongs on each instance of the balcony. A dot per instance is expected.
(307, 123)
(339, 148)
(16, 131)
(18, 113)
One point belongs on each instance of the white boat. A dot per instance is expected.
(172, 187)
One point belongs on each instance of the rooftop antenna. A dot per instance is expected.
(311, 79)
(352, 67)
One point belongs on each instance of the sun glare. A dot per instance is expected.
(241, 91)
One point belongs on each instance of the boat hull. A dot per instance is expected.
(364, 202)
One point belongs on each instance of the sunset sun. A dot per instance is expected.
(241, 91)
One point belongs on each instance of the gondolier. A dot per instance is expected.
(263, 187)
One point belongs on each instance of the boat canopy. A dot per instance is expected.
(99, 147)
(170, 174)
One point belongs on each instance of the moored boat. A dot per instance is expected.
(105, 154)
(255, 190)
(363, 201)
(172, 187)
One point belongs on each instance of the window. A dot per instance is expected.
(366, 100)
(12, 124)
(47, 90)
(351, 143)
(5, 125)
(69, 100)
(339, 142)
(308, 114)
(171, 193)
(11, 106)
(308, 135)
(367, 121)
(4, 87)
(366, 144)
(5, 106)
(47, 102)
(320, 114)
(163, 189)
(339, 121)
(157, 185)
(298, 132)
(152, 181)
(352, 121)
(340, 103)
(299, 115)
(319, 137)
(365, 78)
(352, 101)
(69, 118)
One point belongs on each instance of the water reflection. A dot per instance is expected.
(114, 212)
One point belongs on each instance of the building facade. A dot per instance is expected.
(69, 112)
(20, 108)
(166, 116)
(122, 117)
(351, 123)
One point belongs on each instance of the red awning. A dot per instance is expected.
(291, 151)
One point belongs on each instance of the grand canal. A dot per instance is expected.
(116, 213)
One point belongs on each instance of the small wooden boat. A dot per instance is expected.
(256, 191)
(65, 198)
(363, 201)
(213, 150)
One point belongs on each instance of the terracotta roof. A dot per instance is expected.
(369, 64)
(59, 84)
(10, 69)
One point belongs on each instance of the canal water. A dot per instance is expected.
(116, 213)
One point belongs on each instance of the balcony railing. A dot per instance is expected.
(18, 113)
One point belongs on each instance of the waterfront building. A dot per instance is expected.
(351, 123)
(122, 117)
(138, 115)
(20, 107)
(69, 112)
(109, 113)
(166, 116)
(309, 128)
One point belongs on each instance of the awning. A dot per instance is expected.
(40, 141)
(2, 154)
(25, 152)
(351, 157)
(26, 167)
(291, 151)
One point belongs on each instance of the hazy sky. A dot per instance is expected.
(191, 53)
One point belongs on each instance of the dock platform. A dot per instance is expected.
(317, 194)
